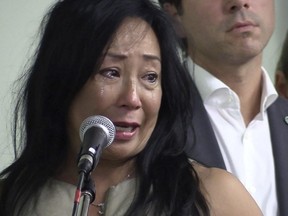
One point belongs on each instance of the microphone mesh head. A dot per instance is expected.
(98, 121)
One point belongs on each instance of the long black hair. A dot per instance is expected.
(75, 33)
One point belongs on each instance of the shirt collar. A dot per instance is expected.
(213, 91)
(269, 93)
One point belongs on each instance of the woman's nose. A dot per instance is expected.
(130, 95)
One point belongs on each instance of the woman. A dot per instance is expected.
(115, 58)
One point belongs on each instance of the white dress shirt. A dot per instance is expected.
(247, 151)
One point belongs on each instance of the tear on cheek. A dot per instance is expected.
(102, 91)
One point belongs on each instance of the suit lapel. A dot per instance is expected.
(279, 137)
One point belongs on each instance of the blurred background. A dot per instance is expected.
(19, 22)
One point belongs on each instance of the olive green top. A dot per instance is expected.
(57, 199)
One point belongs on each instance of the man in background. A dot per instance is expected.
(243, 125)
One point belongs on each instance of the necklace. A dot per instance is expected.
(101, 206)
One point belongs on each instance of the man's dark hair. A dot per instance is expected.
(161, 2)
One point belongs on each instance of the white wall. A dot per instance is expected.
(19, 21)
(273, 49)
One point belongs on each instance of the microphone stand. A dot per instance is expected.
(85, 192)
(87, 197)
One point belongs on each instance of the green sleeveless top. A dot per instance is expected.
(57, 199)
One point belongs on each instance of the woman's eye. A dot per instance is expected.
(109, 73)
(151, 77)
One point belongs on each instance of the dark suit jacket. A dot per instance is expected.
(203, 145)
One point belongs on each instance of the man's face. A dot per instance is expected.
(228, 30)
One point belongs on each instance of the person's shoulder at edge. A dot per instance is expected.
(225, 194)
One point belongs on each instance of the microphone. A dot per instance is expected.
(96, 133)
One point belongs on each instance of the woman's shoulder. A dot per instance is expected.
(225, 194)
(54, 198)
(209, 175)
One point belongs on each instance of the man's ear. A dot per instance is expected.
(281, 84)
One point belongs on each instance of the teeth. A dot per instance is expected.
(124, 129)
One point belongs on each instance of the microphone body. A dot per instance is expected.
(96, 133)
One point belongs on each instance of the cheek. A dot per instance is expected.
(195, 25)
(270, 18)
(91, 100)
(152, 106)
(151, 109)
(85, 102)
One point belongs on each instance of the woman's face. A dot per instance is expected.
(126, 89)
